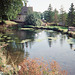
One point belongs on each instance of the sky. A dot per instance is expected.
(42, 5)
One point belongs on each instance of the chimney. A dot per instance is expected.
(25, 4)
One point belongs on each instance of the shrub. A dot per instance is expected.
(40, 67)
(30, 20)
(39, 22)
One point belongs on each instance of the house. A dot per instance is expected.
(24, 12)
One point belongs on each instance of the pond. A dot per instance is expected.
(48, 44)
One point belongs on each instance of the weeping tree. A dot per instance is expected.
(9, 9)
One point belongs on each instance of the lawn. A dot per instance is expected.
(65, 29)
(10, 22)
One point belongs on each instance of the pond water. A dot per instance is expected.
(48, 44)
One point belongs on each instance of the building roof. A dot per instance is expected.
(25, 9)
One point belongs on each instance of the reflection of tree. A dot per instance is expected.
(26, 46)
(16, 49)
(26, 54)
(71, 46)
(22, 35)
(14, 58)
(61, 41)
(16, 52)
(50, 43)
(62, 38)
(51, 34)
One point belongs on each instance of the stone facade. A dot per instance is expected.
(24, 11)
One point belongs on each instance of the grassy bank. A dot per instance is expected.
(61, 29)
(14, 25)
(7, 22)
(10, 22)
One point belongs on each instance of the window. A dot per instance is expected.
(25, 11)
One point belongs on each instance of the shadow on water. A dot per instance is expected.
(17, 51)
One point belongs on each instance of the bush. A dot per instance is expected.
(38, 22)
(30, 20)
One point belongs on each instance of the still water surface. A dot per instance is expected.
(49, 44)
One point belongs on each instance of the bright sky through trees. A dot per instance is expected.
(42, 5)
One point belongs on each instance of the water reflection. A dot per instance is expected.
(22, 35)
(51, 34)
(17, 51)
(71, 46)
(47, 44)
(14, 57)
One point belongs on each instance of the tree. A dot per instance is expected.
(50, 7)
(63, 16)
(71, 16)
(9, 8)
(37, 15)
(55, 16)
(15, 8)
(48, 15)
(42, 15)
(30, 20)
(4, 8)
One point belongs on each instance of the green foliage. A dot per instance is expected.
(4, 8)
(33, 19)
(10, 8)
(42, 15)
(48, 15)
(62, 16)
(71, 16)
(37, 15)
(15, 8)
(55, 16)
(30, 20)
(38, 22)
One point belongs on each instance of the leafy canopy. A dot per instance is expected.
(10, 8)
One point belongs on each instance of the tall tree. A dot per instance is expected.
(62, 17)
(50, 7)
(48, 15)
(55, 16)
(71, 16)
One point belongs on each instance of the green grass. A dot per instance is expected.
(65, 29)
(26, 29)
(9, 22)
(28, 26)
